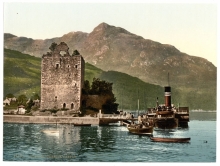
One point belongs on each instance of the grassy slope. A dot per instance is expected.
(91, 72)
(22, 76)
(21, 73)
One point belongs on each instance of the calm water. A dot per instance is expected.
(27, 142)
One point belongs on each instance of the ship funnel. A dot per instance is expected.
(167, 95)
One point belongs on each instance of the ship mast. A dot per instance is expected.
(138, 102)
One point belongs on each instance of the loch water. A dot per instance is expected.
(27, 142)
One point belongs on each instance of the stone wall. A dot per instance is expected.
(50, 119)
(95, 101)
(62, 78)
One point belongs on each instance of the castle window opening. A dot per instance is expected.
(64, 105)
(72, 106)
(76, 66)
(55, 98)
(57, 65)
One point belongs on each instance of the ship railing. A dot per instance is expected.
(182, 110)
(165, 116)
(151, 111)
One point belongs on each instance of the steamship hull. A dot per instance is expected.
(166, 123)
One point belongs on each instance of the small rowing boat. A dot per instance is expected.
(140, 129)
(173, 140)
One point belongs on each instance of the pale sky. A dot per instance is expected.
(190, 27)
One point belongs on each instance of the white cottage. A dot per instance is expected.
(6, 102)
(21, 109)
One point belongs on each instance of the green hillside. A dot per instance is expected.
(21, 73)
(129, 89)
(91, 72)
(22, 76)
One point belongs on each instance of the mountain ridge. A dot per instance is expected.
(113, 48)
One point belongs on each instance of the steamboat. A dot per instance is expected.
(167, 116)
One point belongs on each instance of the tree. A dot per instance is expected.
(35, 97)
(76, 52)
(22, 99)
(110, 106)
(86, 87)
(103, 88)
(29, 105)
(100, 87)
(9, 95)
(53, 46)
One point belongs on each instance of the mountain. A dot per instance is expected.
(113, 48)
(22, 76)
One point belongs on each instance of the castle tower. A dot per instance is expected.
(62, 78)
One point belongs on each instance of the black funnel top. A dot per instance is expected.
(167, 89)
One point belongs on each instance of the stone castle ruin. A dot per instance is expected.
(62, 78)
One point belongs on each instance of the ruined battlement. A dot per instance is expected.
(62, 78)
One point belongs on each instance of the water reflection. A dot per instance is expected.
(64, 147)
(27, 142)
(97, 138)
(74, 141)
